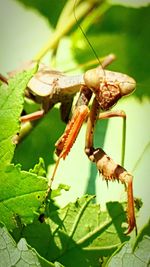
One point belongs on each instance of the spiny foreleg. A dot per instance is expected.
(106, 166)
(112, 171)
(66, 141)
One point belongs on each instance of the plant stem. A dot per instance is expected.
(95, 14)
(145, 150)
(61, 30)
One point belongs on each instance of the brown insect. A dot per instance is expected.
(49, 87)
(108, 87)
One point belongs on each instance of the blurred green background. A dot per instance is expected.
(121, 29)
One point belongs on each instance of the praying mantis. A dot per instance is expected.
(49, 87)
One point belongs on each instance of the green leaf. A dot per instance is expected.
(11, 104)
(21, 195)
(57, 192)
(79, 231)
(12, 254)
(39, 168)
(130, 3)
(126, 257)
(144, 231)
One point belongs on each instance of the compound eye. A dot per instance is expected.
(127, 87)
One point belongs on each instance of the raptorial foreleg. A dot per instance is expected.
(106, 166)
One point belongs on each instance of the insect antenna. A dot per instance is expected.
(86, 38)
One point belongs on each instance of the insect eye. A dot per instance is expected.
(127, 87)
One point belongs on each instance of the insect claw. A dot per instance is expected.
(130, 228)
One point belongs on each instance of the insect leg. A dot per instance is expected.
(65, 109)
(80, 113)
(46, 106)
(66, 141)
(32, 116)
(120, 114)
(107, 167)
